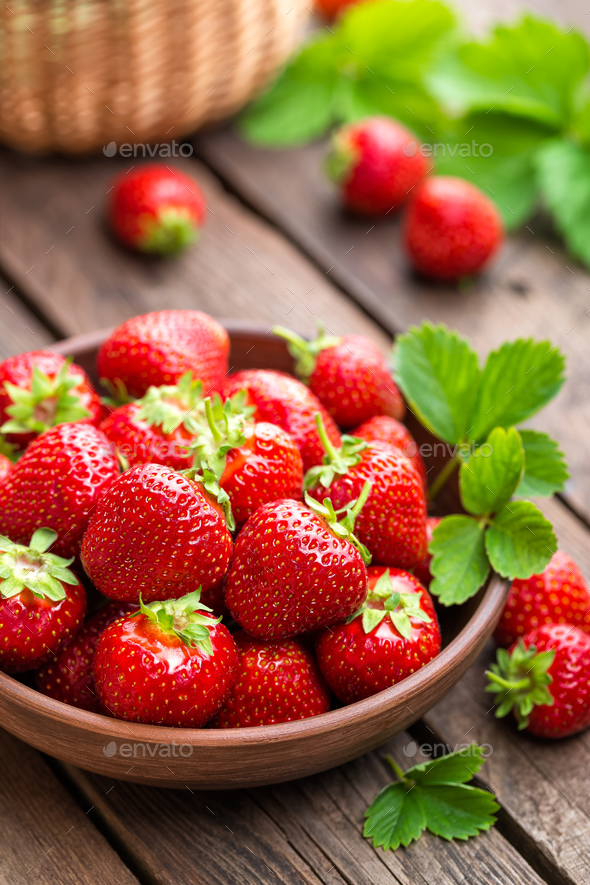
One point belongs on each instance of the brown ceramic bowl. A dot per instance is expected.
(223, 759)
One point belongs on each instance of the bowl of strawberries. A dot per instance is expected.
(215, 580)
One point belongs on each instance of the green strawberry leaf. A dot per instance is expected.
(456, 768)
(564, 177)
(520, 541)
(459, 564)
(518, 379)
(396, 817)
(438, 373)
(489, 479)
(545, 470)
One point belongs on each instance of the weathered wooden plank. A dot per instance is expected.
(20, 330)
(55, 246)
(44, 836)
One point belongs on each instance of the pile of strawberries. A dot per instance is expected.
(227, 521)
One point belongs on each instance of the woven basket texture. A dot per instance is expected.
(78, 74)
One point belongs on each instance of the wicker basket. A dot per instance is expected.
(78, 74)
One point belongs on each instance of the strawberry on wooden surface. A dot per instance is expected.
(393, 634)
(42, 602)
(171, 664)
(57, 483)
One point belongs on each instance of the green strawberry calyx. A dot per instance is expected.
(221, 429)
(172, 231)
(520, 681)
(32, 567)
(172, 405)
(336, 461)
(341, 522)
(341, 157)
(205, 476)
(398, 606)
(182, 618)
(305, 353)
(48, 402)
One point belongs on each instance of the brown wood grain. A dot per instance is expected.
(20, 329)
(44, 836)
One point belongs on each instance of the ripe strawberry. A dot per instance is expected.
(156, 209)
(558, 595)
(68, 676)
(376, 163)
(296, 568)
(282, 400)
(422, 570)
(452, 229)
(160, 427)
(393, 522)
(254, 464)
(545, 679)
(40, 389)
(348, 374)
(276, 682)
(155, 533)
(172, 664)
(57, 483)
(6, 466)
(388, 430)
(393, 634)
(333, 8)
(42, 603)
(159, 348)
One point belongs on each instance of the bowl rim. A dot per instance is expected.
(399, 695)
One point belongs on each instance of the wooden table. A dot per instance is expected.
(276, 250)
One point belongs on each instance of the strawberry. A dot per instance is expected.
(6, 466)
(42, 603)
(282, 400)
(375, 162)
(422, 569)
(159, 427)
(156, 209)
(393, 522)
(57, 483)
(348, 374)
(393, 634)
(296, 568)
(545, 679)
(558, 595)
(452, 229)
(68, 676)
(253, 463)
(276, 682)
(159, 348)
(156, 533)
(332, 8)
(171, 664)
(391, 431)
(40, 389)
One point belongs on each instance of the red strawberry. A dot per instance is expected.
(392, 524)
(333, 8)
(6, 466)
(277, 682)
(57, 483)
(40, 389)
(348, 374)
(422, 570)
(557, 596)
(393, 634)
(42, 603)
(160, 427)
(172, 664)
(295, 569)
(282, 400)
(155, 533)
(388, 430)
(68, 676)
(452, 229)
(156, 209)
(545, 680)
(253, 463)
(375, 162)
(159, 348)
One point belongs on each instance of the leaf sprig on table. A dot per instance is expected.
(473, 410)
(523, 89)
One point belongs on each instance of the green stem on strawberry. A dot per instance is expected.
(47, 403)
(304, 352)
(335, 461)
(204, 475)
(343, 528)
(442, 478)
(520, 681)
(399, 607)
(182, 618)
(171, 405)
(222, 431)
(33, 567)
